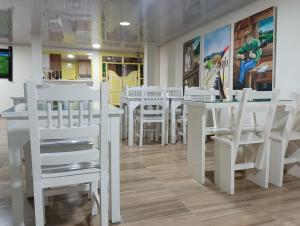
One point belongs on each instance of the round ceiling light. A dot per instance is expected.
(124, 23)
(71, 56)
(96, 46)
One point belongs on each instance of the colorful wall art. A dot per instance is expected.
(254, 51)
(191, 62)
(216, 59)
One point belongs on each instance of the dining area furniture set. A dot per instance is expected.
(69, 139)
(252, 131)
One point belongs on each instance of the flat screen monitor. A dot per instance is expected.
(6, 71)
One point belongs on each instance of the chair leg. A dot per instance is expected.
(294, 169)
(184, 133)
(276, 167)
(104, 198)
(46, 203)
(39, 205)
(93, 189)
(141, 134)
(28, 170)
(261, 177)
(163, 133)
(156, 132)
(224, 170)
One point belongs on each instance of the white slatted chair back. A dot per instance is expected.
(174, 92)
(133, 91)
(153, 101)
(55, 122)
(196, 93)
(247, 106)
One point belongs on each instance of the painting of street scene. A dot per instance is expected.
(216, 60)
(254, 51)
(191, 62)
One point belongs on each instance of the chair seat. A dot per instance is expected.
(66, 144)
(150, 118)
(229, 131)
(246, 138)
(212, 130)
(278, 136)
(70, 169)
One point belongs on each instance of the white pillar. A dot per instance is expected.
(151, 64)
(96, 70)
(37, 57)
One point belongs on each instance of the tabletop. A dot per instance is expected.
(229, 103)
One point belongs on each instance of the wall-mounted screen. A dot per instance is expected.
(6, 64)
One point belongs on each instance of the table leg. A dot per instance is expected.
(115, 170)
(123, 121)
(196, 143)
(173, 123)
(130, 124)
(167, 124)
(15, 164)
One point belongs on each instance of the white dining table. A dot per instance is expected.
(129, 104)
(18, 136)
(196, 142)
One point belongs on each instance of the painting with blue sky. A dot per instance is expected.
(216, 58)
(253, 51)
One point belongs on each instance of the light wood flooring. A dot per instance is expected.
(156, 190)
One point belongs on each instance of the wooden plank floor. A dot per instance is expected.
(156, 190)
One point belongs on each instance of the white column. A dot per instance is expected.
(36, 41)
(37, 57)
(96, 70)
(151, 64)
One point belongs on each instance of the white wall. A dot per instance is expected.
(21, 72)
(287, 73)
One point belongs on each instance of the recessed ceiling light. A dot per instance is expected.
(90, 57)
(96, 46)
(71, 56)
(124, 23)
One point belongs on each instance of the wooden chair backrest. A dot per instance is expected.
(50, 121)
(153, 101)
(133, 91)
(196, 93)
(175, 92)
(248, 104)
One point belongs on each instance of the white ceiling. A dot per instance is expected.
(79, 23)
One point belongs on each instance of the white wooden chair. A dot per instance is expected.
(58, 169)
(197, 94)
(135, 91)
(174, 92)
(175, 97)
(48, 145)
(129, 92)
(246, 148)
(285, 146)
(152, 110)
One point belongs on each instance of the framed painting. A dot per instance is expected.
(191, 62)
(254, 48)
(216, 59)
